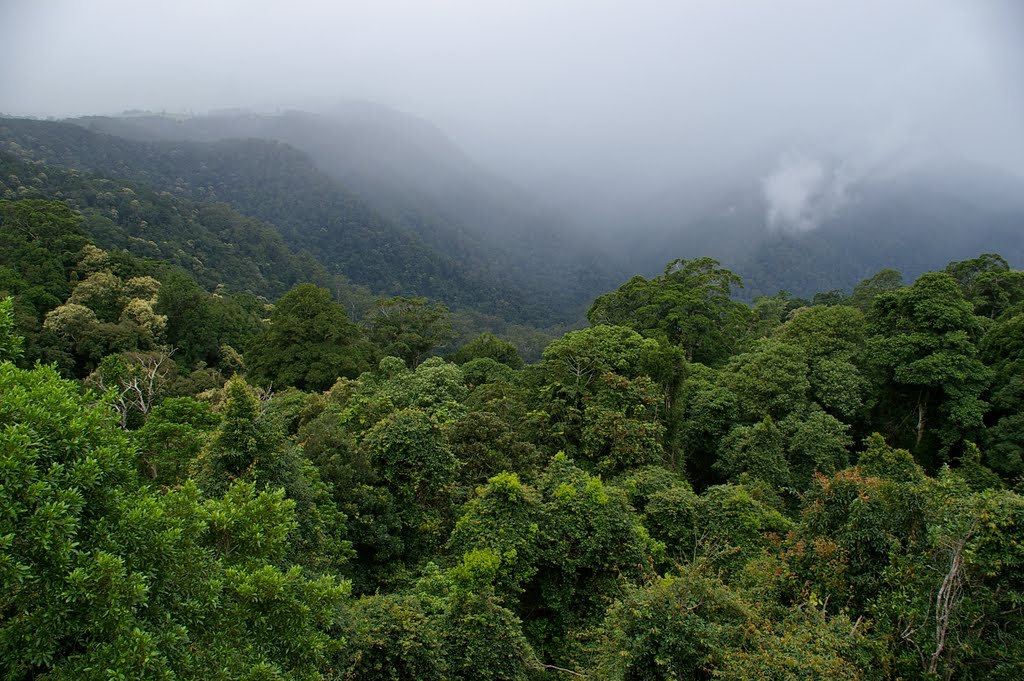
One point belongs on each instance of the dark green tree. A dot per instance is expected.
(690, 306)
(925, 343)
(408, 328)
(418, 469)
(190, 321)
(309, 343)
(11, 344)
(172, 437)
(865, 292)
(988, 283)
(1002, 349)
(490, 346)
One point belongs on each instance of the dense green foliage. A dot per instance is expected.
(618, 509)
(103, 577)
(196, 483)
(411, 252)
(309, 342)
(213, 242)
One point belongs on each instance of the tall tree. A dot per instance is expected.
(690, 305)
(988, 283)
(924, 343)
(408, 328)
(309, 344)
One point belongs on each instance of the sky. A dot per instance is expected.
(629, 96)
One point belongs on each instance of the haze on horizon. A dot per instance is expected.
(572, 98)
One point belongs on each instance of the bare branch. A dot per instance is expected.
(560, 669)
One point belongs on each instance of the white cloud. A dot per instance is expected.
(802, 192)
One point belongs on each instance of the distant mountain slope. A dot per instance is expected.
(216, 244)
(281, 185)
(913, 224)
(409, 171)
(388, 201)
(914, 218)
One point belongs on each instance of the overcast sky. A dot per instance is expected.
(546, 88)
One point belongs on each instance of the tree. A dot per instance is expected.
(817, 444)
(924, 341)
(598, 400)
(865, 292)
(769, 312)
(102, 293)
(408, 328)
(770, 380)
(856, 522)
(806, 644)
(393, 637)
(1002, 349)
(135, 381)
(555, 553)
(172, 437)
(575, 362)
(487, 444)
(690, 305)
(488, 345)
(678, 627)
(757, 451)
(591, 542)
(706, 411)
(309, 343)
(952, 605)
(988, 283)
(11, 344)
(670, 509)
(503, 519)
(409, 453)
(72, 322)
(735, 524)
(249, 445)
(101, 578)
(621, 429)
(189, 320)
(40, 241)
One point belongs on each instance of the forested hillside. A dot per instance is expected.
(407, 168)
(202, 484)
(476, 261)
(217, 244)
(914, 216)
(389, 202)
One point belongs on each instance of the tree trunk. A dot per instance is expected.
(947, 600)
(922, 409)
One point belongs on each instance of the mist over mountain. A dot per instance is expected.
(406, 167)
(557, 148)
(481, 265)
(800, 221)
(812, 223)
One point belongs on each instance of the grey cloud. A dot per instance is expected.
(590, 102)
